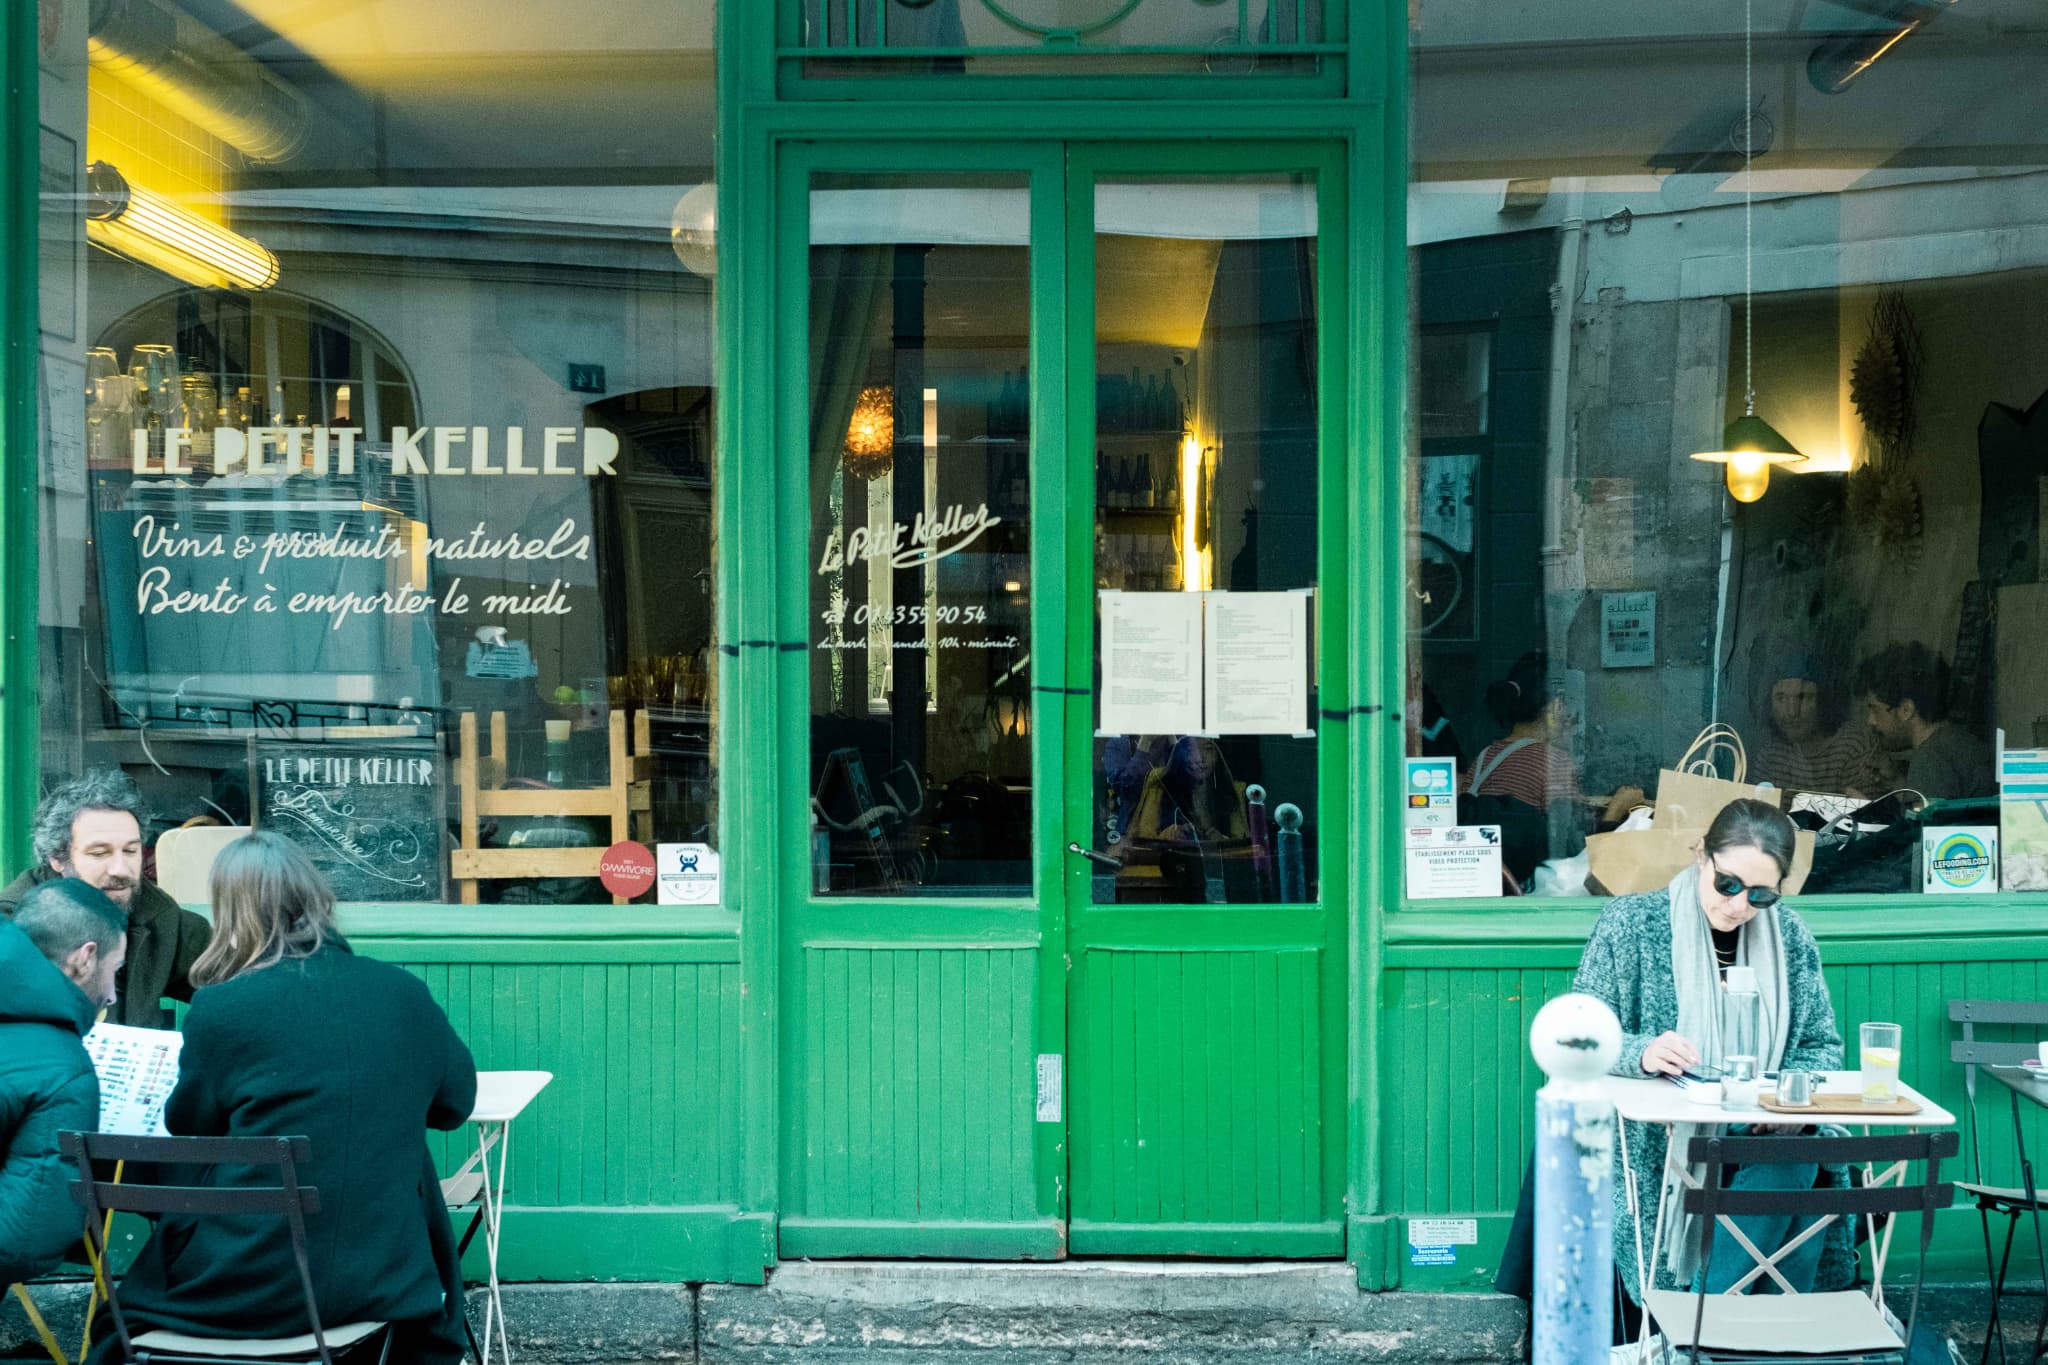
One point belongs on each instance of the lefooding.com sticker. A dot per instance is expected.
(1961, 859)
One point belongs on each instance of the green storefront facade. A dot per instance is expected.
(1027, 1068)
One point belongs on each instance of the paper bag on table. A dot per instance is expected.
(1692, 794)
(1688, 798)
(1628, 861)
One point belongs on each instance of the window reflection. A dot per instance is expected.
(920, 573)
(1205, 541)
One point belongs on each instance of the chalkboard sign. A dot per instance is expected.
(370, 813)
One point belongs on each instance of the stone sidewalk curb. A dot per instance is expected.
(1074, 1313)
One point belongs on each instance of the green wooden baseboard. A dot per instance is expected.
(657, 1243)
(831, 1238)
(1246, 1240)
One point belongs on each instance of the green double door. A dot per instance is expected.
(1064, 917)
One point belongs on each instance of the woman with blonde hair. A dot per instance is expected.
(291, 1033)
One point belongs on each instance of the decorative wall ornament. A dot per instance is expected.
(1884, 383)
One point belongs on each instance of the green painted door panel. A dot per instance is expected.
(1197, 1103)
(1207, 1042)
(917, 1087)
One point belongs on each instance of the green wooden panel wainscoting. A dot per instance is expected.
(629, 1165)
(1456, 1120)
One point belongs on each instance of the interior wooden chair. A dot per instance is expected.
(287, 1200)
(1841, 1328)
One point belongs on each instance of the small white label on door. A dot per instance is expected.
(1049, 1087)
(1443, 1232)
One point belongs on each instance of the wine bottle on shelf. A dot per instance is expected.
(1134, 404)
(1147, 495)
(1151, 403)
(1170, 418)
(1101, 480)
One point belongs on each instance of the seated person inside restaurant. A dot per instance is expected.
(1813, 746)
(1658, 960)
(1905, 696)
(1191, 799)
(1526, 783)
(291, 1033)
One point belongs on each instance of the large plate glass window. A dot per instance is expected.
(377, 431)
(1205, 541)
(1728, 392)
(919, 566)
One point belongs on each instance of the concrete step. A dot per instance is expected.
(1159, 1312)
(1076, 1313)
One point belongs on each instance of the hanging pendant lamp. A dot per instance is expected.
(1749, 444)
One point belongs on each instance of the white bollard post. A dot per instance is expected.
(1575, 1039)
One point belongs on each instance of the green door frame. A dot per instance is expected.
(860, 925)
(20, 183)
(1322, 926)
(1061, 176)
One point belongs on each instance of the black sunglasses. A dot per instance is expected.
(1728, 884)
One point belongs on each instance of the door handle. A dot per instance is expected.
(1074, 846)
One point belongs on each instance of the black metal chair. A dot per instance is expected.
(1749, 1327)
(287, 1200)
(2010, 1202)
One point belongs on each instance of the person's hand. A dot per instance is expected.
(1624, 800)
(1668, 1054)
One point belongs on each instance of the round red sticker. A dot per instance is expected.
(626, 869)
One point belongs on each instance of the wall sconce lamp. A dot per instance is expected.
(1193, 531)
(146, 227)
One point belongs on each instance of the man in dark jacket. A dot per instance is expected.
(91, 828)
(58, 960)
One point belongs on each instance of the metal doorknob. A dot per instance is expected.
(1074, 846)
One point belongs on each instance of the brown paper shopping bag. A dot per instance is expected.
(1690, 795)
(1688, 798)
(1633, 860)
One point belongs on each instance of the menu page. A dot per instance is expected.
(138, 1068)
(1151, 662)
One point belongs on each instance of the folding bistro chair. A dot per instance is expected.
(1844, 1328)
(287, 1200)
(464, 1191)
(2008, 1201)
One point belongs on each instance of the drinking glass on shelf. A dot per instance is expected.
(1879, 1059)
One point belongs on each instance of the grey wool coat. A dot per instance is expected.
(1627, 963)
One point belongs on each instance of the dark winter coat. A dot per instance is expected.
(355, 1056)
(164, 940)
(47, 1086)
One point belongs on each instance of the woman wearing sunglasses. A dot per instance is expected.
(1658, 960)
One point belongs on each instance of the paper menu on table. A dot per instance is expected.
(138, 1068)
(1255, 663)
(1151, 663)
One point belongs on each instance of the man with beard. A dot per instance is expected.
(91, 828)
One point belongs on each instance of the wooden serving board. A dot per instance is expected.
(1837, 1102)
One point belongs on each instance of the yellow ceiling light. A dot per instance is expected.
(871, 433)
(146, 227)
(1749, 447)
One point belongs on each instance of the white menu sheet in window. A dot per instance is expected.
(138, 1069)
(1151, 663)
(1257, 663)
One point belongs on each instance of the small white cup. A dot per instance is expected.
(2042, 1053)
